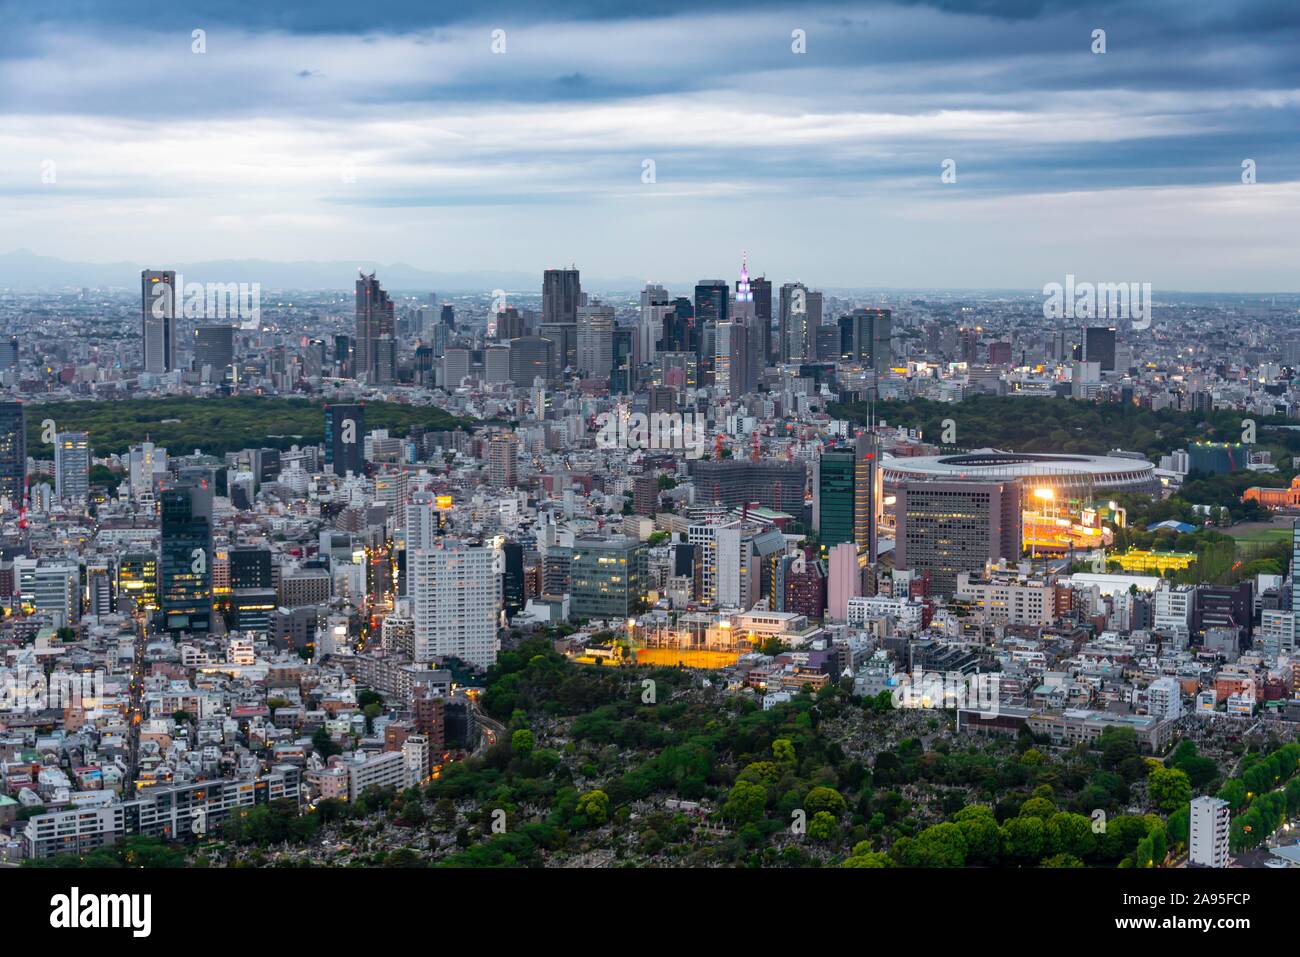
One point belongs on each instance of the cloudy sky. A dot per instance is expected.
(394, 132)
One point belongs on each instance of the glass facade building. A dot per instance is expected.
(185, 562)
(13, 452)
(609, 578)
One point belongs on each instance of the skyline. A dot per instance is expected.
(825, 165)
(25, 273)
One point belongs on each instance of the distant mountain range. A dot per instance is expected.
(25, 271)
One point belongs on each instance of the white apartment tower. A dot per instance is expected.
(1172, 608)
(72, 466)
(455, 597)
(1208, 842)
(1165, 699)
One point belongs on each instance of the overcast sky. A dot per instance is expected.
(393, 132)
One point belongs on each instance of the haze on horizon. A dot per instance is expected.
(331, 131)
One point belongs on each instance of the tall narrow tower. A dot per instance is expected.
(376, 328)
(158, 297)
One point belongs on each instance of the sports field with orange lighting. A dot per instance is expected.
(690, 657)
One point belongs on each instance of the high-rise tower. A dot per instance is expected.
(158, 299)
(376, 329)
(185, 566)
(13, 454)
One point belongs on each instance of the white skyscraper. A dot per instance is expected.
(72, 466)
(654, 307)
(455, 596)
(736, 571)
(1208, 840)
(420, 527)
(147, 462)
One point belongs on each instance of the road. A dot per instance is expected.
(490, 730)
(135, 711)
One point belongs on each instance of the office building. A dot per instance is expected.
(679, 333)
(251, 609)
(945, 528)
(865, 339)
(1010, 597)
(743, 559)
(137, 579)
(622, 376)
(655, 308)
(509, 324)
(457, 365)
(848, 495)
(345, 427)
(676, 371)
(595, 340)
(496, 364)
(159, 298)
(561, 296)
(712, 306)
(563, 337)
(313, 359)
(531, 358)
(732, 373)
(761, 290)
(375, 357)
(250, 567)
(146, 463)
(13, 454)
(608, 578)
(799, 319)
(53, 588)
(72, 466)
(1099, 346)
(185, 565)
(214, 349)
(512, 578)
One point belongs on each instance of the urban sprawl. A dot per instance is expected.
(738, 573)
